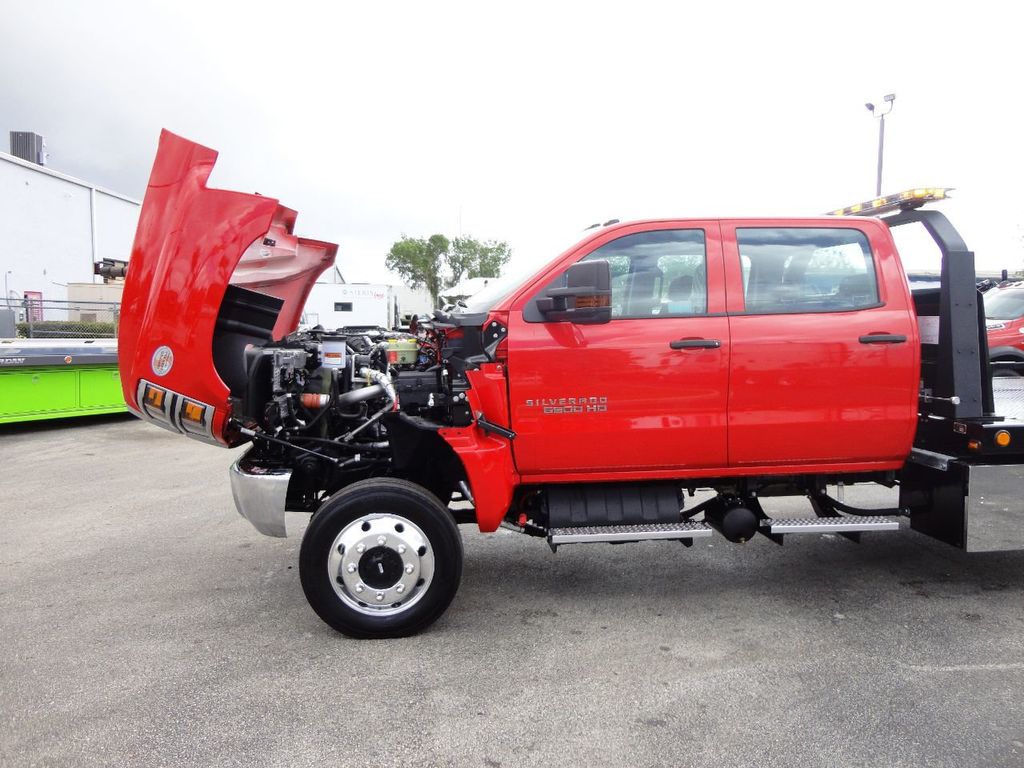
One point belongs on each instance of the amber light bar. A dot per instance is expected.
(910, 198)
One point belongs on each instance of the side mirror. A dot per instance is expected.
(586, 298)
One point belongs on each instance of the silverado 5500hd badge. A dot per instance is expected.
(552, 405)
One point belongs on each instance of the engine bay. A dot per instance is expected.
(327, 404)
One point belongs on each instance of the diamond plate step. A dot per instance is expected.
(829, 524)
(684, 530)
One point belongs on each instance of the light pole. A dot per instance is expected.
(889, 99)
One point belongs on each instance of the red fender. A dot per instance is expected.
(486, 458)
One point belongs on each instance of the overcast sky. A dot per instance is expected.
(528, 122)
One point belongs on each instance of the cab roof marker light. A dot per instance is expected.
(910, 198)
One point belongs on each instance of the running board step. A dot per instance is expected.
(776, 526)
(645, 532)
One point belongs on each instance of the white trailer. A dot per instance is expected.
(339, 305)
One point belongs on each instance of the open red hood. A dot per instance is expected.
(192, 243)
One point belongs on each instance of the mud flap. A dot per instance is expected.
(976, 507)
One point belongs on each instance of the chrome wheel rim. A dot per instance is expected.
(380, 564)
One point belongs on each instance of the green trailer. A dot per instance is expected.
(54, 378)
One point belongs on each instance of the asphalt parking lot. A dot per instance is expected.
(145, 623)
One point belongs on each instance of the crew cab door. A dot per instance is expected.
(825, 353)
(646, 390)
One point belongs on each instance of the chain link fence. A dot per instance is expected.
(50, 319)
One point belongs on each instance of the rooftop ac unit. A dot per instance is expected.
(28, 146)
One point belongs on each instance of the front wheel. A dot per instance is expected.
(381, 558)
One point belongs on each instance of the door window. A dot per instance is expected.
(806, 270)
(657, 274)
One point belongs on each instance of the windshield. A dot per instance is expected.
(484, 299)
(1004, 305)
(500, 288)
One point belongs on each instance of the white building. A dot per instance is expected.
(54, 227)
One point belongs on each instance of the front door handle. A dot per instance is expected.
(883, 338)
(695, 344)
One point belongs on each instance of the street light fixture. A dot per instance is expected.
(889, 99)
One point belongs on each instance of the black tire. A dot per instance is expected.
(412, 521)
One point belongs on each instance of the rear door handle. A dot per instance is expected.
(883, 338)
(695, 344)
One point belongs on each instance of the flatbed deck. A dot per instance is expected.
(55, 378)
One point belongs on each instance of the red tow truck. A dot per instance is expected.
(748, 357)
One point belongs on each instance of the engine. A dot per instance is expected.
(327, 404)
(331, 385)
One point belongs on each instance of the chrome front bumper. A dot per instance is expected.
(260, 495)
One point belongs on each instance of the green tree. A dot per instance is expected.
(419, 262)
(437, 263)
(477, 259)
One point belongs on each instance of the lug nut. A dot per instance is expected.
(400, 588)
(359, 587)
(361, 548)
(381, 541)
(408, 568)
(401, 549)
(380, 596)
(351, 568)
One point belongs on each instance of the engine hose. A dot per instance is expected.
(380, 353)
(351, 397)
(362, 394)
(320, 414)
(383, 380)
